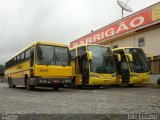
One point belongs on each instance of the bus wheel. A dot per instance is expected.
(56, 88)
(158, 81)
(28, 86)
(130, 85)
(9, 83)
(97, 87)
(115, 85)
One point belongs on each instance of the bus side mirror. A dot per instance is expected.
(117, 57)
(130, 58)
(89, 55)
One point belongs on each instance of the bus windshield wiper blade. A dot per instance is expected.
(58, 60)
(50, 61)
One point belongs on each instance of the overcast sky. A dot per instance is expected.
(24, 21)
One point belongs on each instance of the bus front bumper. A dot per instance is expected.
(100, 81)
(135, 80)
(50, 82)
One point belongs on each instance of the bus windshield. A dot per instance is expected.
(52, 55)
(139, 63)
(102, 59)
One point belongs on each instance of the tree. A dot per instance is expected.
(1, 70)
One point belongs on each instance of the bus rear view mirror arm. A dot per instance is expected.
(130, 58)
(117, 57)
(89, 55)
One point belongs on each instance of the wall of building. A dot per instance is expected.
(152, 40)
(151, 37)
(124, 42)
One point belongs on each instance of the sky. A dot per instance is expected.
(62, 21)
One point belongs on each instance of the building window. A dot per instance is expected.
(115, 46)
(141, 42)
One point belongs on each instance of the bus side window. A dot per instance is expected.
(15, 60)
(27, 54)
(73, 54)
(22, 56)
(81, 50)
(18, 58)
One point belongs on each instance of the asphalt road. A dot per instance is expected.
(109, 100)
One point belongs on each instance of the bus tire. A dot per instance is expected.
(13, 86)
(56, 88)
(9, 83)
(115, 85)
(28, 86)
(158, 81)
(97, 87)
(130, 85)
(78, 86)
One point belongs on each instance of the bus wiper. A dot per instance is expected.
(57, 60)
(50, 61)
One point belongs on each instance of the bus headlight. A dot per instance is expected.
(95, 76)
(134, 75)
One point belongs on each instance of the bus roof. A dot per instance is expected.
(87, 45)
(35, 43)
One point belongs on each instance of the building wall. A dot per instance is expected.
(152, 41)
(124, 42)
(151, 36)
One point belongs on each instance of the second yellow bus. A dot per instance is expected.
(93, 65)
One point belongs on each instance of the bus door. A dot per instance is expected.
(125, 70)
(82, 66)
(122, 67)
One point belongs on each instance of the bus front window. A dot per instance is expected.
(102, 59)
(52, 55)
(139, 63)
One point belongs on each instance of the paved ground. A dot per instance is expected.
(120, 100)
(109, 100)
(155, 78)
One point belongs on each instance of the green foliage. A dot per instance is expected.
(1, 69)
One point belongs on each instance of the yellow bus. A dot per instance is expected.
(40, 64)
(133, 67)
(93, 65)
